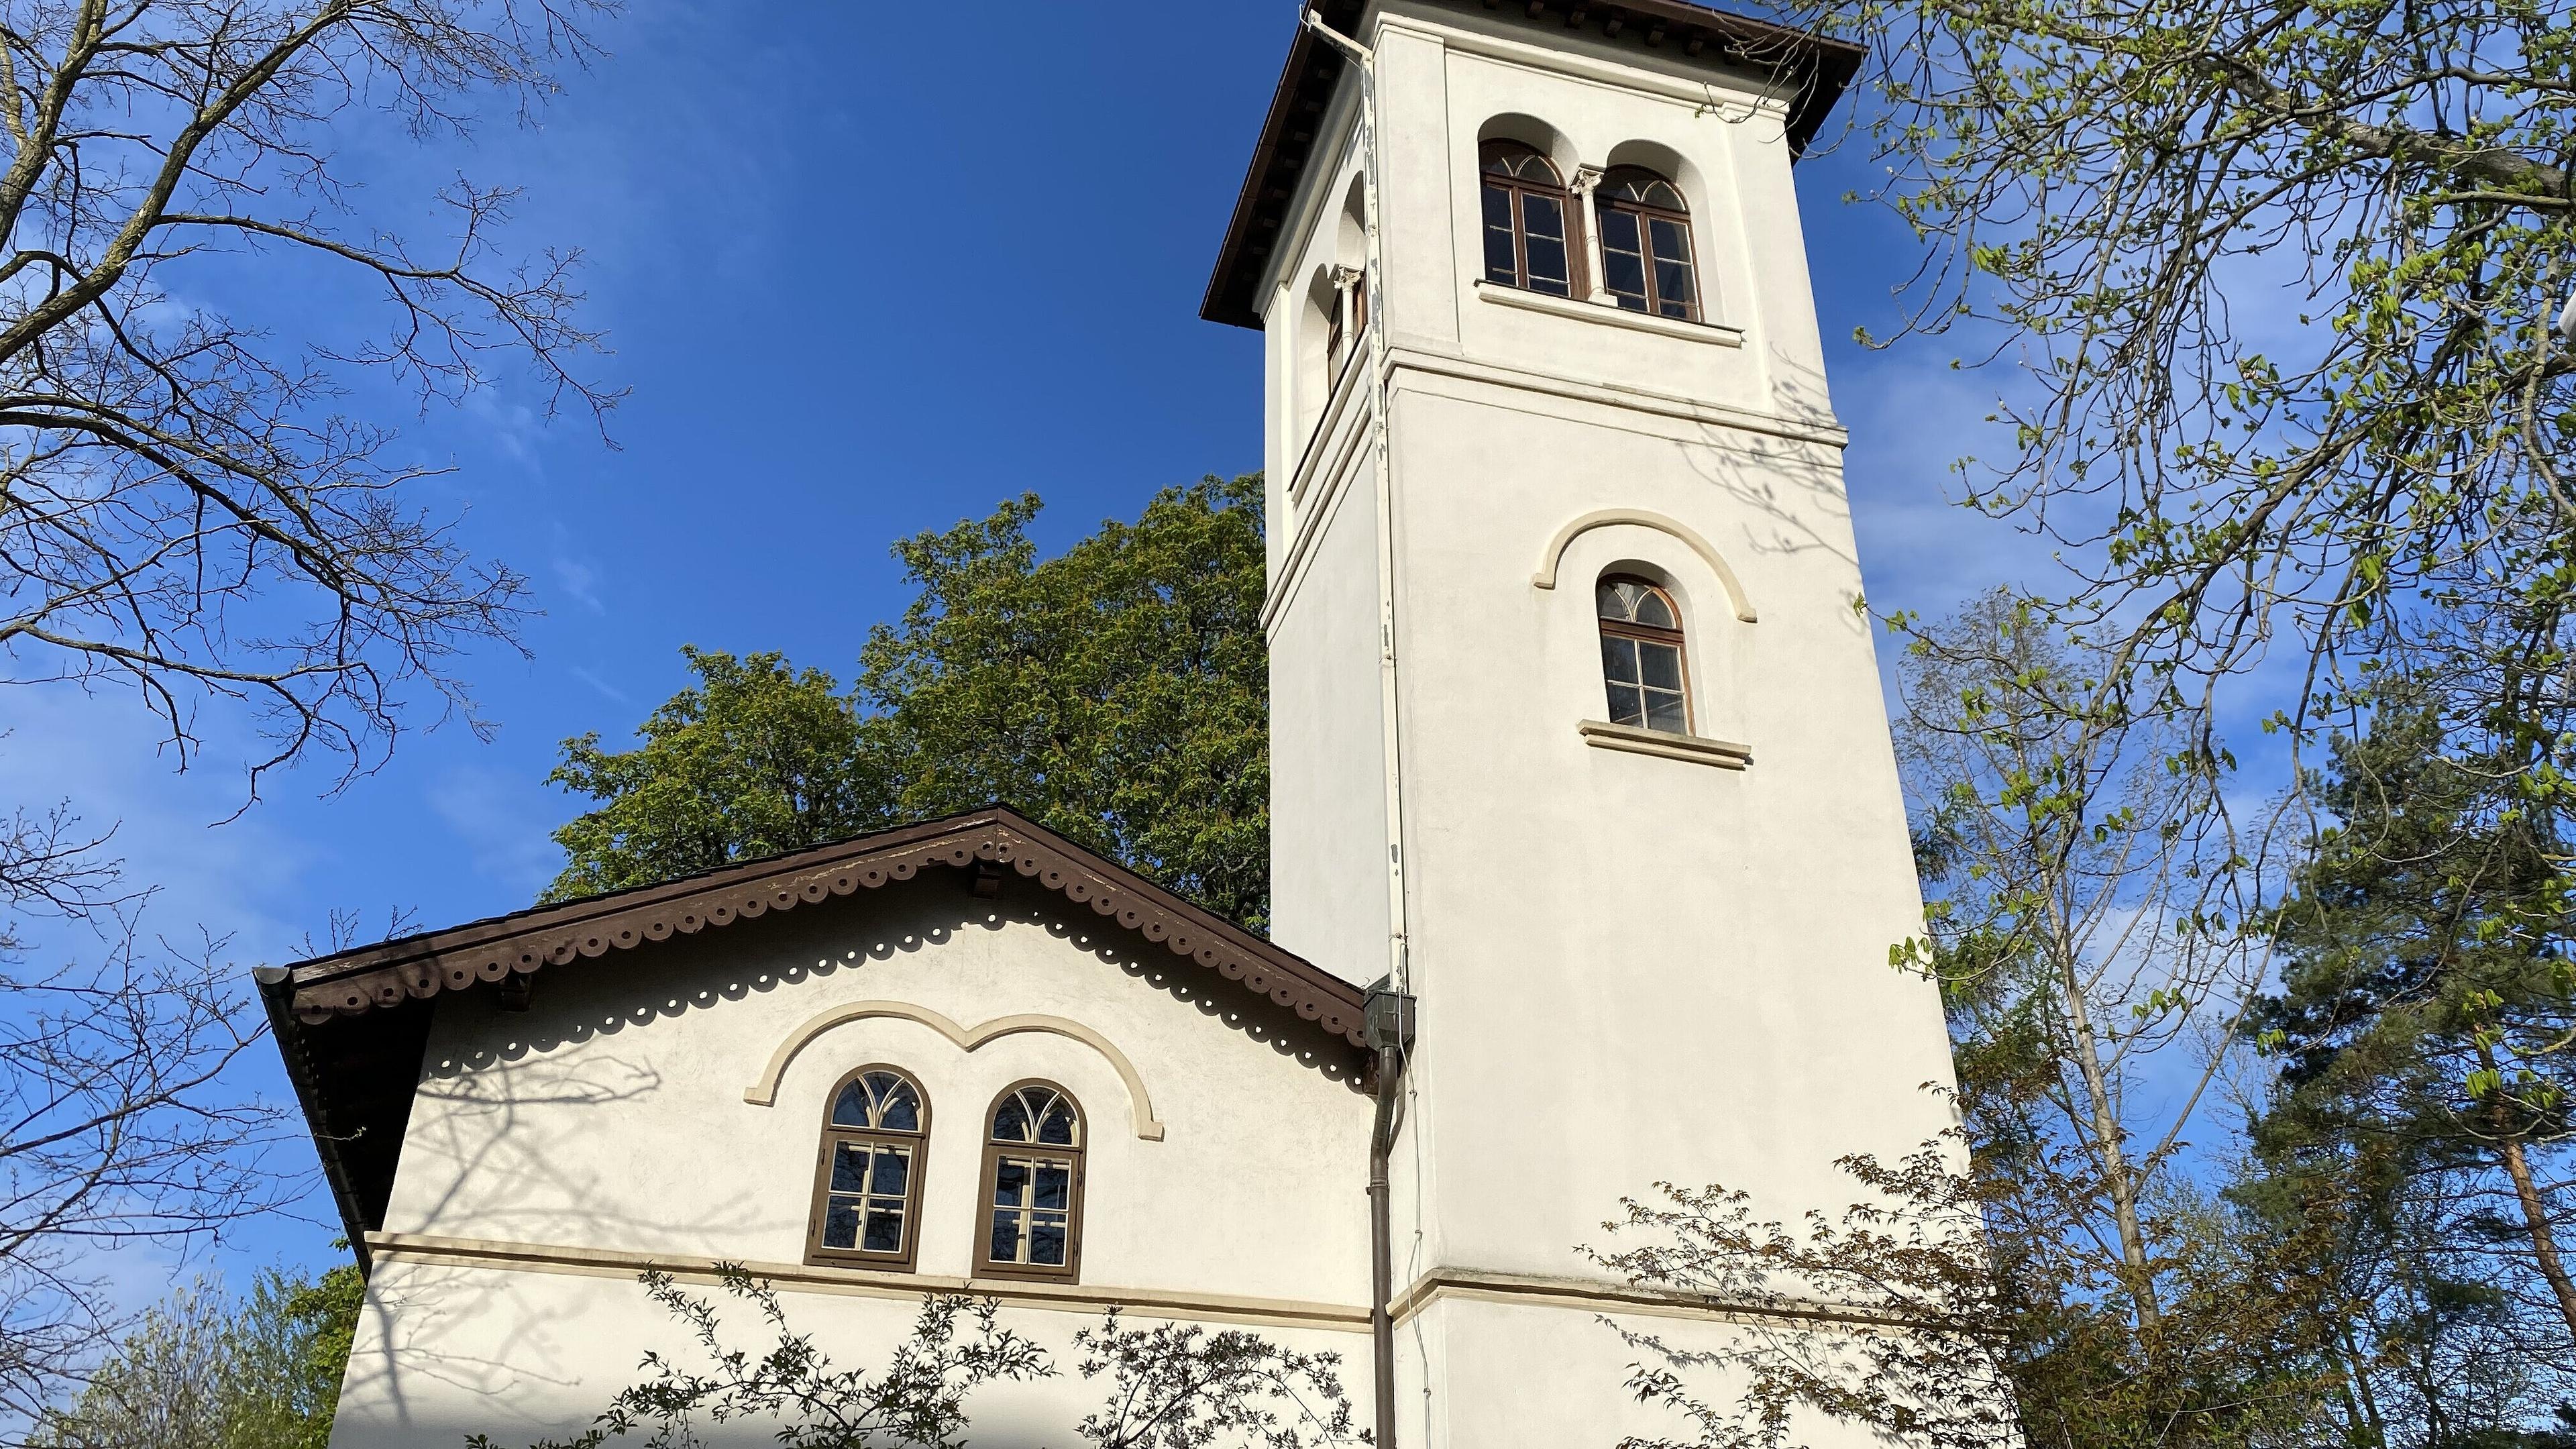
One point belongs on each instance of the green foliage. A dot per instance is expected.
(1117, 692)
(208, 1371)
(2423, 1030)
(2272, 283)
(755, 759)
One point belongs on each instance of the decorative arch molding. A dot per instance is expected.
(764, 1092)
(1545, 578)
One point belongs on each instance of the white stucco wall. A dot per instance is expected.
(1631, 968)
(610, 1120)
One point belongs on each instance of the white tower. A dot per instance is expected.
(1648, 923)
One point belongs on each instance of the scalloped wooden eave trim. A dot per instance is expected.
(721, 903)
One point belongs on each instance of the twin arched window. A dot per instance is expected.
(1641, 655)
(867, 1194)
(1640, 217)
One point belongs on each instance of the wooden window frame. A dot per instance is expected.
(994, 1152)
(1677, 637)
(1519, 190)
(1646, 217)
(834, 1134)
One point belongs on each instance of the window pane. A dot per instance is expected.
(1011, 1184)
(1661, 664)
(1005, 1247)
(1057, 1129)
(1648, 607)
(1619, 230)
(1673, 288)
(1627, 707)
(1055, 1185)
(1502, 263)
(841, 1223)
(1011, 1120)
(1543, 217)
(1625, 275)
(849, 1167)
(900, 1108)
(1618, 659)
(885, 1231)
(1664, 712)
(850, 1109)
(1672, 243)
(893, 1170)
(1046, 1242)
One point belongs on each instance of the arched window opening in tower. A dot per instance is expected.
(867, 1199)
(1032, 1192)
(1525, 234)
(1645, 243)
(1641, 655)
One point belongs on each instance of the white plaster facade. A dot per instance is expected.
(552, 1154)
(1636, 960)
(1632, 967)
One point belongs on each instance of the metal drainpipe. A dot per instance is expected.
(1389, 1031)
(1390, 1009)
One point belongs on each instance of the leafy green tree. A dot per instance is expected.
(205, 1370)
(755, 759)
(2425, 1029)
(2268, 287)
(1117, 692)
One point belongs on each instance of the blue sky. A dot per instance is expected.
(862, 279)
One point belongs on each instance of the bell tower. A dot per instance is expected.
(1576, 731)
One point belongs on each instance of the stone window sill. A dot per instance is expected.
(1602, 735)
(1714, 333)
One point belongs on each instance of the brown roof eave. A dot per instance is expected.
(1820, 67)
(377, 977)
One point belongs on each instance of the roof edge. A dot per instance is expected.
(350, 983)
(1820, 66)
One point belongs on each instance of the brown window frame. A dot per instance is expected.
(835, 1134)
(1646, 216)
(1649, 634)
(1518, 190)
(994, 1152)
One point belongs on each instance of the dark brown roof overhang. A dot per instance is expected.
(353, 1026)
(415, 968)
(1816, 70)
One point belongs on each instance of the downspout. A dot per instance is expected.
(1390, 1034)
(1390, 1007)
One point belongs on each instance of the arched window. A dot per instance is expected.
(867, 1197)
(1525, 238)
(1641, 655)
(1645, 243)
(1032, 1215)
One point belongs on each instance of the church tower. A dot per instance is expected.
(1576, 731)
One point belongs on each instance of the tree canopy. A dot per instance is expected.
(1116, 692)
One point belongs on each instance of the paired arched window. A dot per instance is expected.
(1032, 1194)
(1641, 655)
(1526, 242)
(867, 1196)
(1645, 243)
(867, 1207)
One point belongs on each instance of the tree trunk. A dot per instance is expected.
(2535, 1218)
(2111, 1142)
